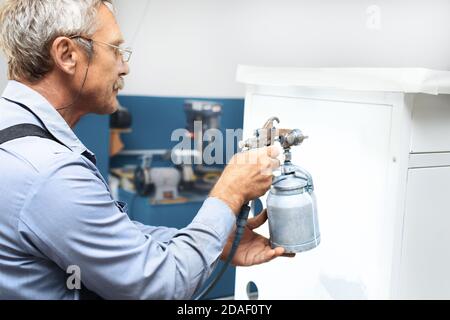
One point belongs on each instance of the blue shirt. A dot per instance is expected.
(57, 211)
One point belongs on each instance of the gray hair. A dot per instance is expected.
(29, 27)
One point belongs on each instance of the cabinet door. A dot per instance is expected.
(347, 153)
(425, 262)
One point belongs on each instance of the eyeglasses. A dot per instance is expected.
(125, 53)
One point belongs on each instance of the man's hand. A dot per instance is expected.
(247, 177)
(253, 248)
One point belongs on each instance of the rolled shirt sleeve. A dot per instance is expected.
(71, 218)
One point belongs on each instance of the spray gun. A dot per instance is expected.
(291, 203)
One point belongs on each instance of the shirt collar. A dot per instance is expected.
(51, 118)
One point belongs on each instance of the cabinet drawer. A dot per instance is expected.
(431, 124)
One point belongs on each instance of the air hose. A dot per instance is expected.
(241, 222)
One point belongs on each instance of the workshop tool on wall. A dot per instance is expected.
(201, 116)
(291, 203)
(120, 121)
(202, 122)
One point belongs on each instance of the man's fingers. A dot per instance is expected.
(257, 221)
(272, 254)
(275, 163)
(267, 172)
(264, 256)
(280, 252)
(274, 151)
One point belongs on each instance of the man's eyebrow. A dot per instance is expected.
(118, 42)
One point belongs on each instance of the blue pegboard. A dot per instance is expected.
(155, 118)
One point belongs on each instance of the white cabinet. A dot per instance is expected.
(425, 263)
(382, 178)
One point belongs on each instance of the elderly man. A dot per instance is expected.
(65, 60)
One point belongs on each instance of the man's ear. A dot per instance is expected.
(65, 54)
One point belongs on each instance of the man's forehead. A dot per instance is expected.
(108, 28)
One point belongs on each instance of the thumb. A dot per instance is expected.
(257, 221)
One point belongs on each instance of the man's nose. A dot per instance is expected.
(124, 68)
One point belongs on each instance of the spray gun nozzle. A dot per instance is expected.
(293, 138)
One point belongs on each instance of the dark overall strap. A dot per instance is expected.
(31, 130)
(24, 130)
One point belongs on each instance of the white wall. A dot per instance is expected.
(192, 47)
